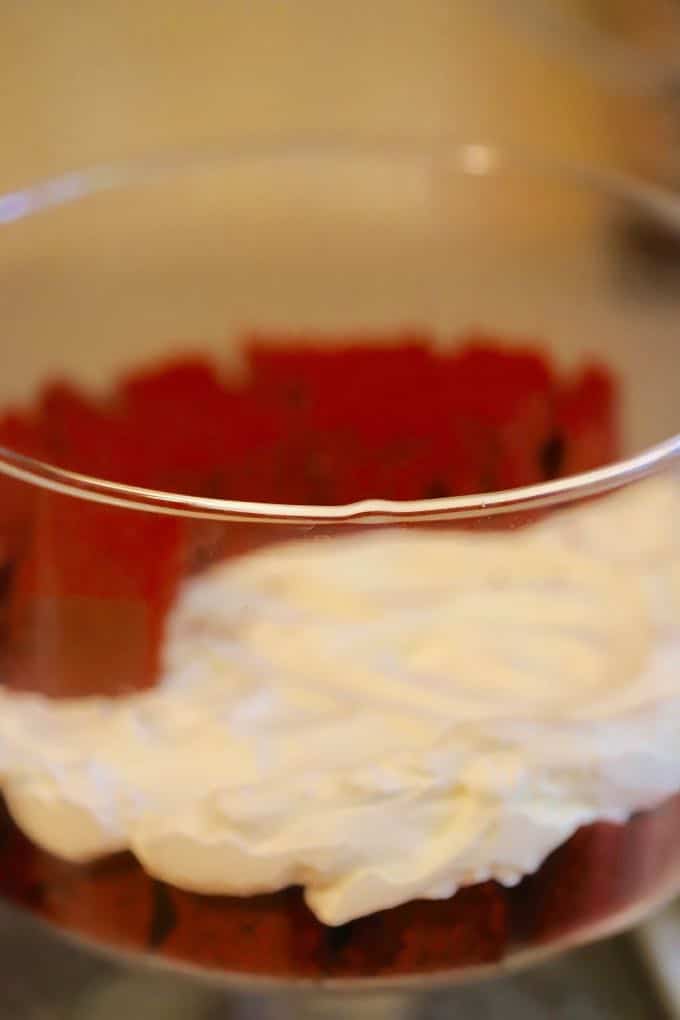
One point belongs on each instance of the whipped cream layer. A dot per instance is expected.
(379, 718)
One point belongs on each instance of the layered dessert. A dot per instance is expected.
(357, 750)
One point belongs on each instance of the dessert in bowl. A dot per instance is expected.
(334, 650)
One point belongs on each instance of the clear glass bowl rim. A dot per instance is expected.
(466, 159)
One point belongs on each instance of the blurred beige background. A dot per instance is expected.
(91, 80)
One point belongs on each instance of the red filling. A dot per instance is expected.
(86, 589)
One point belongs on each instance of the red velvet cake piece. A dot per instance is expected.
(499, 406)
(309, 465)
(468, 929)
(587, 420)
(578, 884)
(80, 434)
(178, 415)
(111, 900)
(20, 433)
(650, 852)
(271, 934)
(384, 423)
(90, 598)
(352, 417)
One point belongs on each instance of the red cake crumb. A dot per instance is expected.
(178, 412)
(80, 434)
(587, 419)
(468, 929)
(499, 408)
(111, 900)
(650, 852)
(269, 934)
(577, 884)
(20, 434)
(90, 597)
(603, 868)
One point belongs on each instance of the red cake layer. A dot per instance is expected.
(602, 871)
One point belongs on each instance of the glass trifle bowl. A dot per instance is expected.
(340, 562)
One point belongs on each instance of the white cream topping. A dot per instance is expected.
(382, 717)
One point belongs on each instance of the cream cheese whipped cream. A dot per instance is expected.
(379, 718)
